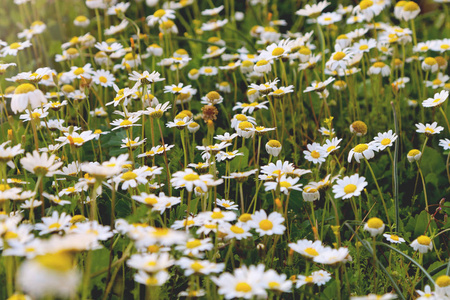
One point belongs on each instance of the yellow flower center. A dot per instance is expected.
(375, 223)
(309, 279)
(262, 62)
(245, 217)
(285, 184)
(379, 64)
(81, 19)
(363, 47)
(193, 244)
(126, 123)
(130, 175)
(245, 125)
(277, 51)
(14, 46)
(208, 70)
(349, 188)
(315, 154)
(266, 225)
(54, 226)
(429, 129)
(243, 287)
(339, 55)
(191, 177)
(430, 61)
(78, 71)
(217, 215)
(159, 13)
(385, 141)
(413, 152)
(77, 140)
(361, 148)
(311, 251)
(443, 281)
(331, 148)
(424, 240)
(35, 115)
(196, 266)
(236, 229)
(24, 88)
(103, 79)
(365, 4)
(151, 200)
(274, 144)
(274, 285)
(411, 6)
(60, 261)
(394, 237)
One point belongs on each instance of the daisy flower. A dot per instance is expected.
(14, 48)
(103, 78)
(388, 296)
(442, 286)
(362, 151)
(422, 244)
(439, 82)
(227, 204)
(145, 78)
(276, 282)
(275, 51)
(318, 278)
(429, 129)
(286, 184)
(315, 153)
(364, 45)
(160, 16)
(273, 147)
(414, 155)
(132, 178)
(332, 256)
(190, 179)
(329, 18)
(392, 238)
(368, 8)
(55, 223)
(208, 71)
(339, 58)
(437, 100)
(250, 107)
(430, 64)
(384, 140)
(267, 224)
(125, 123)
(307, 248)
(349, 186)
(280, 92)
(379, 68)
(40, 164)
(314, 10)
(318, 86)
(331, 145)
(132, 144)
(27, 94)
(194, 247)
(374, 226)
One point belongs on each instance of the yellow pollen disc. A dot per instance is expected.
(274, 285)
(304, 51)
(81, 19)
(78, 71)
(266, 225)
(151, 281)
(315, 154)
(159, 13)
(245, 217)
(151, 201)
(78, 140)
(24, 88)
(331, 148)
(196, 266)
(35, 115)
(236, 229)
(54, 226)
(429, 129)
(243, 287)
(274, 144)
(161, 232)
(411, 6)
(240, 117)
(208, 70)
(445, 46)
(361, 148)
(10, 235)
(125, 123)
(413, 152)
(394, 237)
(129, 175)
(385, 141)
(191, 177)
(193, 244)
(176, 89)
(349, 188)
(245, 125)
(309, 279)
(443, 281)
(378, 64)
(365, 4)
(375, 223)
(262, 62)
(277, 51)
(217, 215)
(423, 240)
(363, 47)
(311, 251)
(285, 184)
(430, 61)
(60, 261)
(14, 46)
(103, 79)
(339, 55)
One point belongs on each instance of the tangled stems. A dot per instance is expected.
(379, 191)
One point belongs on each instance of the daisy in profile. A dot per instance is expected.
(267, 224)
(423, 244)
(318, 278)
(384, 140)
(227, 204)
(437, 100)
(307, 248)
(442, 287)
(393, 238)
(429, 129)
(26, 95)
(379, 68)
(374, 226)
(125, 123)
(315, 153)
(360, 151)
(368, 8)
(333, 256)
(319, 86)
(349, 186)
(314, 10)
(388, 296)
(286, 184)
